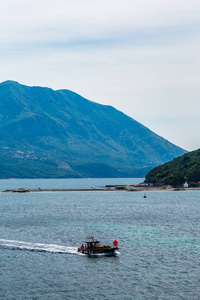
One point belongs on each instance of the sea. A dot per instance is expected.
(158, 236)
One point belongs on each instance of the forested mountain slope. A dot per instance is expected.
(179, 170)
(47, 133)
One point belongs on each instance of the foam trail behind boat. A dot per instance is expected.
(19, 245)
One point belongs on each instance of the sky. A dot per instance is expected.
(140, 56)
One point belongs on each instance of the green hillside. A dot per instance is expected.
(47, 133)
(179, 170)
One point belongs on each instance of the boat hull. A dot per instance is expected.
(99, 254)
(106, 252)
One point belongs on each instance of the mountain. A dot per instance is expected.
(46, 133)
(179, 170)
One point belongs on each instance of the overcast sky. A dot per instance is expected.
(140, 56)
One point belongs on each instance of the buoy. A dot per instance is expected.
(115, 243)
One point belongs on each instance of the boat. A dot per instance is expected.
(93, 247)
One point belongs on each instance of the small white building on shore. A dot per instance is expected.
(185, 185)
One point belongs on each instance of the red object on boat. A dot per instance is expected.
(115, 243)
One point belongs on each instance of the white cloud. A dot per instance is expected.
(140, 56)
(66, 20)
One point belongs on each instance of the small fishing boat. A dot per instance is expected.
(93, 246)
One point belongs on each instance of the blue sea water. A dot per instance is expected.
(159, 242)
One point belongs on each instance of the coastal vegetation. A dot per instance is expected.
(176, 172)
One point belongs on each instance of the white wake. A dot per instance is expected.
(19, 245)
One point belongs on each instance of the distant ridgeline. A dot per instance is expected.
(59, 134)
(179, 170)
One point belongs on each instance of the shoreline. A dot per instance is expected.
(106, 189)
